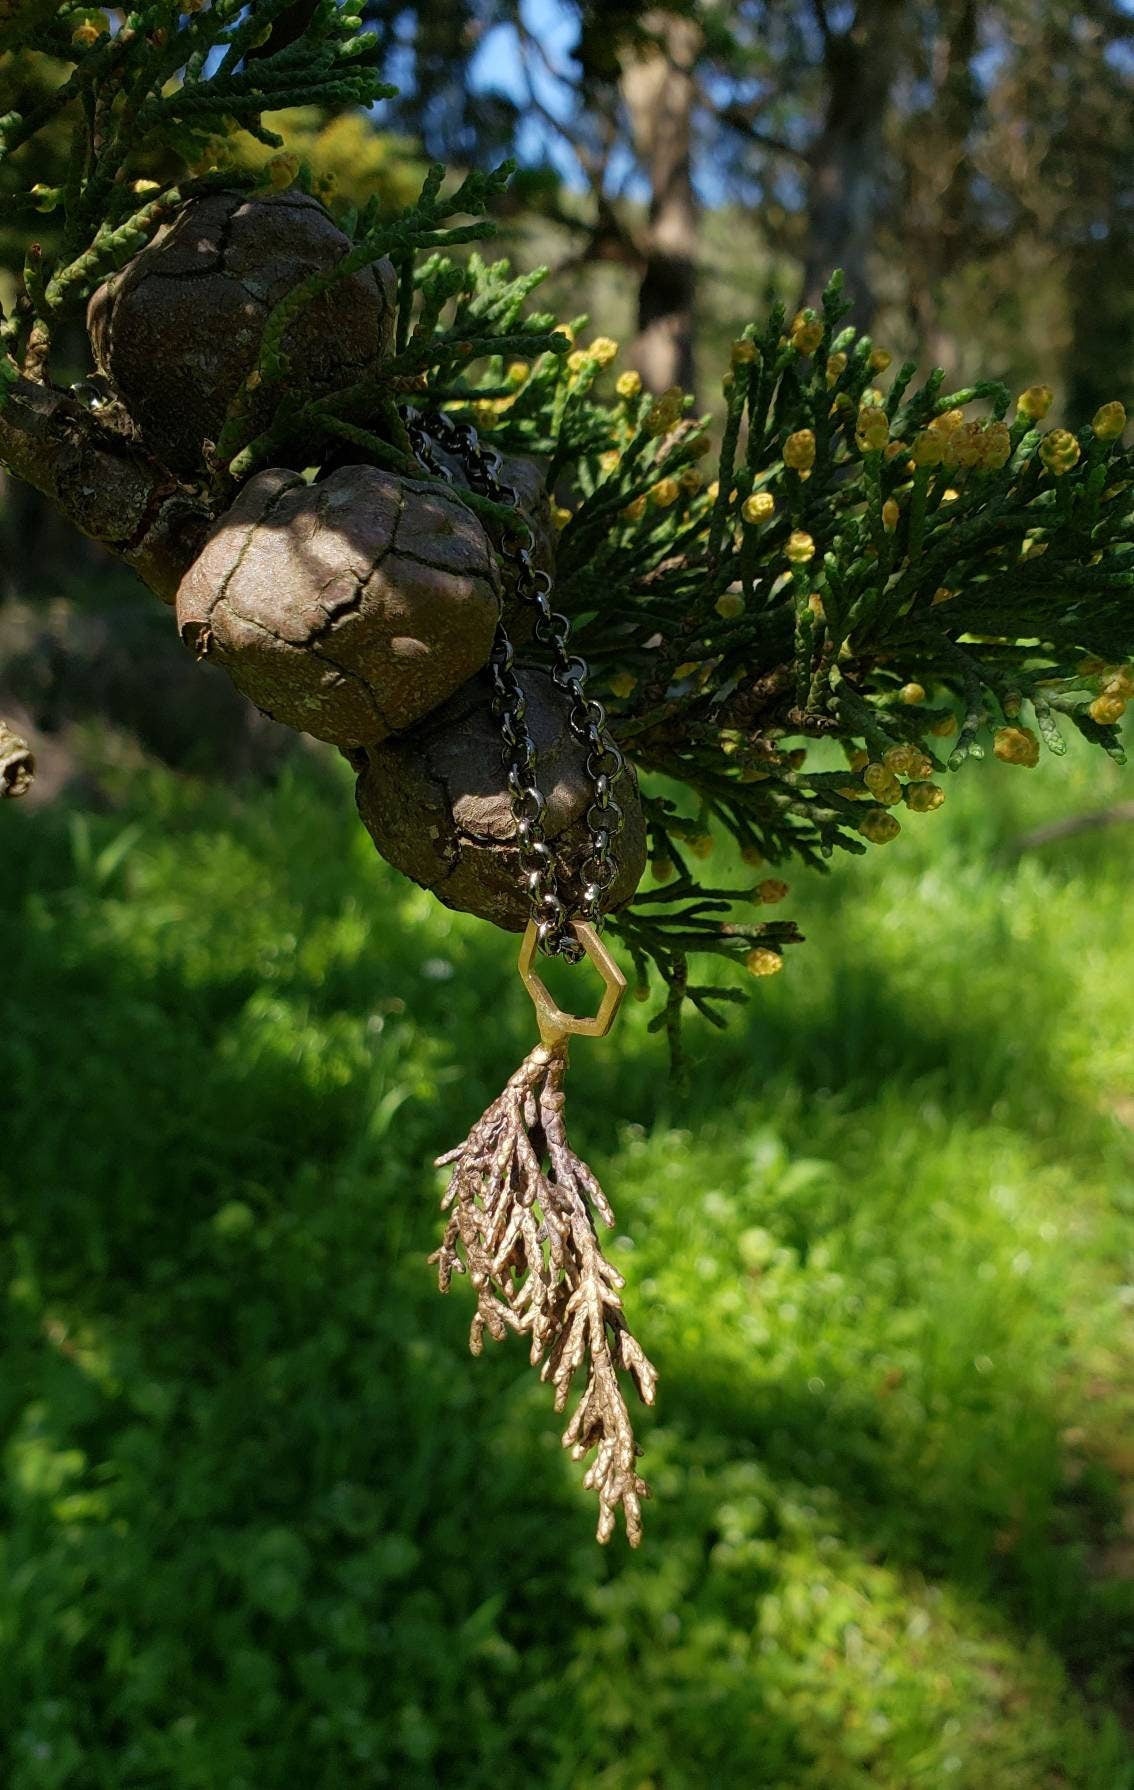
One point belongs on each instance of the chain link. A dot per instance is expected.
(432, 430)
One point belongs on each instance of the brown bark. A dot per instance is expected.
(847, 183)
(103, 483)
(658, 89)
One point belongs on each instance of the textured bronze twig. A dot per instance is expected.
(17, 763)
(521, 1222)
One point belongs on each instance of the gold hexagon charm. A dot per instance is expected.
(554, 1024)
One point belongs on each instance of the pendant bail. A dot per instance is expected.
(554, 1024)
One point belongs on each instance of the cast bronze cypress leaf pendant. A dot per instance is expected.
(521, 1221)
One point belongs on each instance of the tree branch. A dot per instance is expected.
(105, 484)
(740, 118)
(1122, 813)
(819, 8)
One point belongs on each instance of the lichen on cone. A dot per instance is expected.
(435, 801)
(350, 608)
(179, 328)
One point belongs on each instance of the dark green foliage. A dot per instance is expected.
(145, 104)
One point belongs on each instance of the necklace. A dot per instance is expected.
(520, 1206)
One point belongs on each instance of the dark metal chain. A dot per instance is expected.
(428, 431)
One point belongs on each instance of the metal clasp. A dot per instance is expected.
(554, 1024)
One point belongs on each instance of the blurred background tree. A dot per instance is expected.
(967, 163)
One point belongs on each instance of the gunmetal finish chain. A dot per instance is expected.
(432, 430)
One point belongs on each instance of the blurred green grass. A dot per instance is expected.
(267, 1524)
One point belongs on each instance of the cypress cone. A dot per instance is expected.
(178, 329)
(349, 608)
(435, 802)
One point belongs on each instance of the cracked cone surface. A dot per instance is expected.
(348, 609)
(435, 802)
(178, 329)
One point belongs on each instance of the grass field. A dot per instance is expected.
(267, 1524)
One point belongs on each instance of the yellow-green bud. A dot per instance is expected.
(729, 605)
(882, 784)
(923, 798)
(996, 448)
(1108, 709)
(928, 448)
(1109, 421)
(799, 450)
(1059, 451)
(872, 429)
(907, 760)
(878, 826)
(966, 445)
(762, 962)
(760, 507)
(665, 412)
(1035, 402)
(806, 333)
(1016, 745)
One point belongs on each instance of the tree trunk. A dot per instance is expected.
(658, 89)
(938, 175)
(847, 185)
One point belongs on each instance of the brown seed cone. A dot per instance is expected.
(435, 802)
(350, 608)
(178, 329)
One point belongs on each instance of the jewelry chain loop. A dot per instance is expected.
(435, 429)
